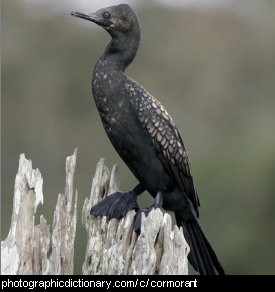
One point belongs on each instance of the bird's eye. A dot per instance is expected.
(106, 15)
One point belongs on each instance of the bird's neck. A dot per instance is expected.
(120, 52)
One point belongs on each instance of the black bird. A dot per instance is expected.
(145, 137)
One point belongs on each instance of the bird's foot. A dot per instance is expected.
(116, 205)
(157, 204)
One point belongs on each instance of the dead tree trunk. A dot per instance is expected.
(25, 250)
(112, 246)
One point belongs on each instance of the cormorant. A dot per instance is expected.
(145, 137)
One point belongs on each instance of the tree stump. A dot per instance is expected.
(25, 250)
(113, 248)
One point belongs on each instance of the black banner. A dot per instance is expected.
(111, 282)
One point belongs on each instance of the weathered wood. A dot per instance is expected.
(25, 250)
(17, 249)
(64, 226)
(112, 246)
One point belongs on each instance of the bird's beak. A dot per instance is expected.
(91, 17)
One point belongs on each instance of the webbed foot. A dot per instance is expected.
(116, 205)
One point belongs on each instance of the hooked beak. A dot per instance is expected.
(91, 17)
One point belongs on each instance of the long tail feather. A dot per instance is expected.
(202, 255)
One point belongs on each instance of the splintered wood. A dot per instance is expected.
(112, 245)
(26, 249)
(114, 248)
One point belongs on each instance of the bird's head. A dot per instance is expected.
(117, 20)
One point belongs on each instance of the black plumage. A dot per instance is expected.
(145, 137)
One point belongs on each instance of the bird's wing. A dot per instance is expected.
(166, 139)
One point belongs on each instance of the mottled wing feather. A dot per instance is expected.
(166, 138)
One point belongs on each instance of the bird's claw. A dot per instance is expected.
(137, 219)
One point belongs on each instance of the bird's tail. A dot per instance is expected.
(201, 256)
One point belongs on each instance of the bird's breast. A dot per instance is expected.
(127, 134)
(111, 100)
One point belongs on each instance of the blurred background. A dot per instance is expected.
(211, 63)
